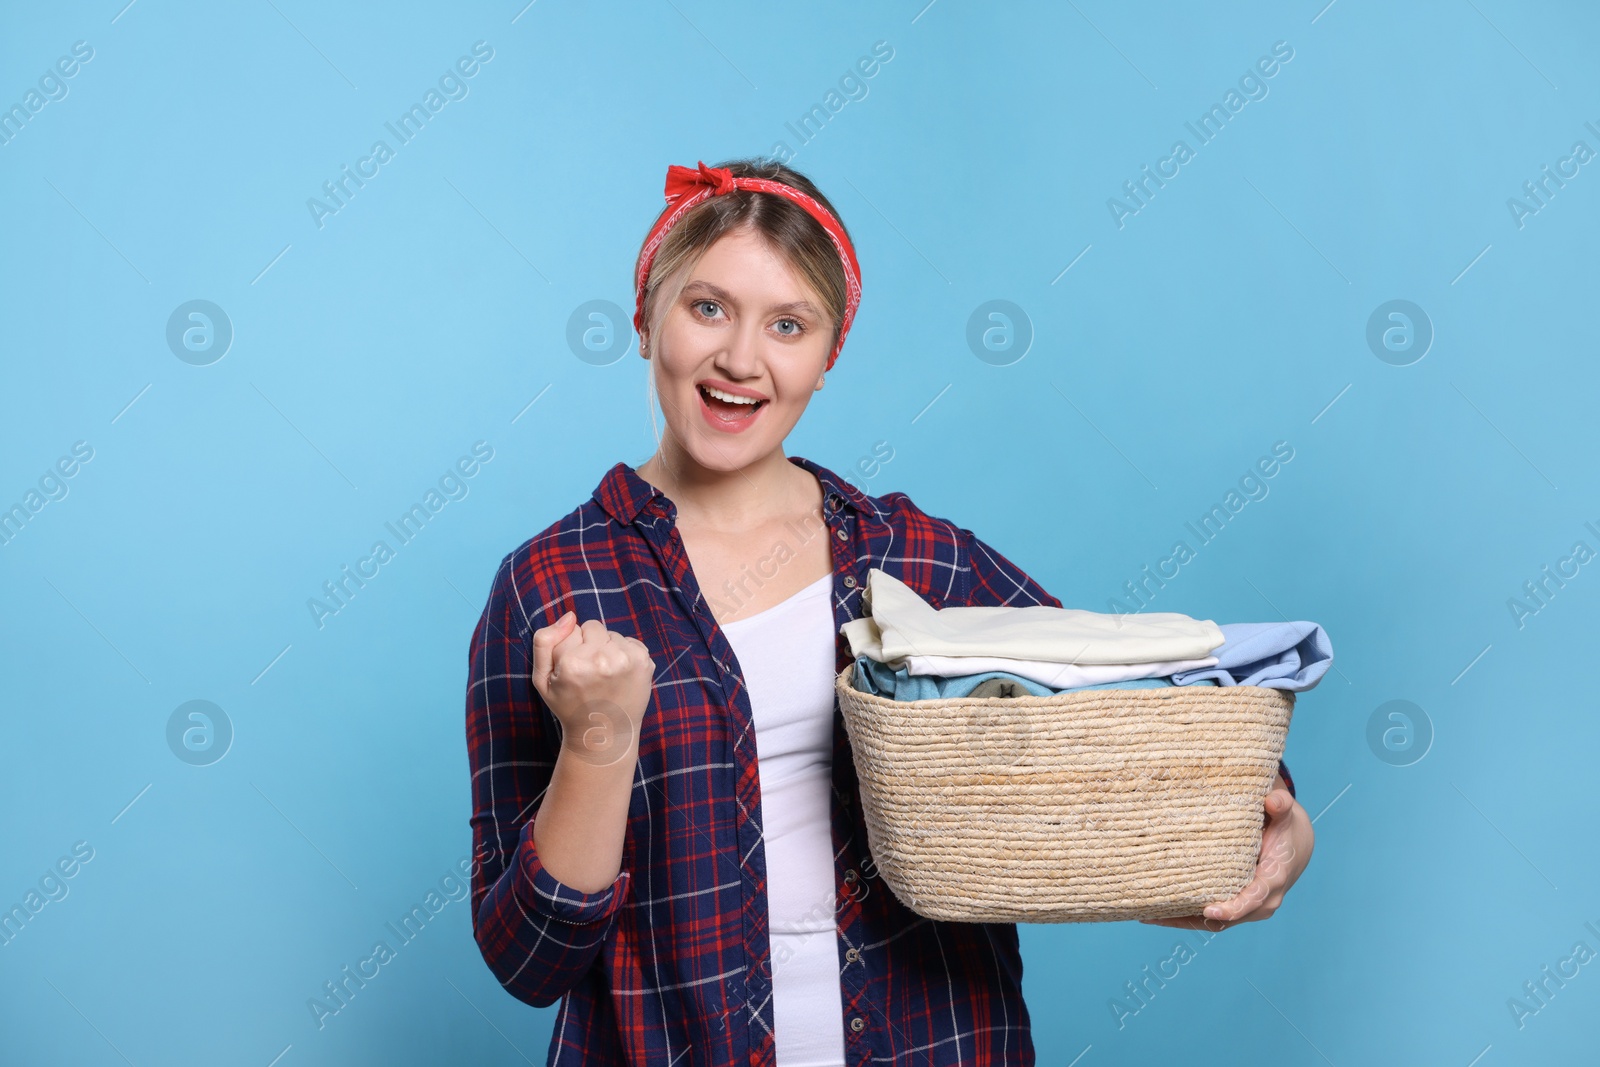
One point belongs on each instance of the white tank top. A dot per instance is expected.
(787, 654)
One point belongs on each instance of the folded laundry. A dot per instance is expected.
(876, 677)
(907, 650)
(1057, 675)
(902, 624)
(1274, 655)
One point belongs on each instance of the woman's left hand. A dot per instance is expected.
(1286, 842)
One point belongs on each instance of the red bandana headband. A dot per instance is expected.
(687, 187)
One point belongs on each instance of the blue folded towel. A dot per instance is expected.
(1273, 655)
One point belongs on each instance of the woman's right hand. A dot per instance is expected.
(597, 684)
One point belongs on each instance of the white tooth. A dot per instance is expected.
(729, 397)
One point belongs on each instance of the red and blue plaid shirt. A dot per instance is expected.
(670, 963)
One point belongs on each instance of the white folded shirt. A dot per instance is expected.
(1057, 675)
(902, 624)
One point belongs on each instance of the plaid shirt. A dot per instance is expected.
(671, 962)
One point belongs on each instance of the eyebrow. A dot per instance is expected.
(723, 295)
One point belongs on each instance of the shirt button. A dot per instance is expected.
(858, 1024)
(849, 581)
(851, 955)
(842, 534)
(851, 877)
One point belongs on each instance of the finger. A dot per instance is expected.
(617, 647)
(1265, 911)
(640, 650)
(610, 661)
(1278, 852)
(1248, 899)
(1190, 922)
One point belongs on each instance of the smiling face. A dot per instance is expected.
(738, 353)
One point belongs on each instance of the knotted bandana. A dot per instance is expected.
(688, 186)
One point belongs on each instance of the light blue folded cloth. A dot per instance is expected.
(877, 678)
(1274, 655)
(882, 680)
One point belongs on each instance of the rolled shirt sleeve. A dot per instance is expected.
(538, 935)
(542, 892)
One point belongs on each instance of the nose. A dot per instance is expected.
(740, 356)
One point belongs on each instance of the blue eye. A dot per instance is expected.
(798, 328)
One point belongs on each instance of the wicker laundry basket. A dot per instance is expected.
(1078, 807)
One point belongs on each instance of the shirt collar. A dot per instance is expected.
(624, 495)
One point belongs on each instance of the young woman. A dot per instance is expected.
(665, 811)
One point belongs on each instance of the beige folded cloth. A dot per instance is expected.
(903, 624)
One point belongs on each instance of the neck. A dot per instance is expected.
(725, 499)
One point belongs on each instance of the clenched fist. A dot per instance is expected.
(596, 682)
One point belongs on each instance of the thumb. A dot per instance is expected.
(544, 648)
(1279, 803)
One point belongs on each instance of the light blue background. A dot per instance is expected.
(1228, 314)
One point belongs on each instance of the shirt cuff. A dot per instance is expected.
(544, 893)
(1283, 769)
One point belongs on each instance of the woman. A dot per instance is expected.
(686, 898)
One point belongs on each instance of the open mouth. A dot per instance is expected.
(729, 412)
